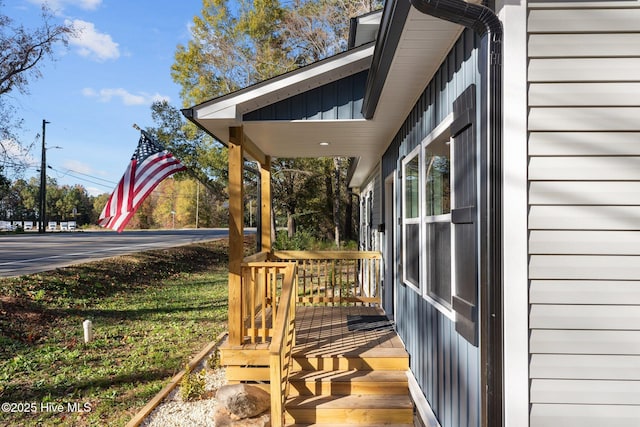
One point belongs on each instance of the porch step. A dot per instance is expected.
(373, 359)
(351, 410)
(342, 383)
(348, 425)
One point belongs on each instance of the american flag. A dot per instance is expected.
(150, 164)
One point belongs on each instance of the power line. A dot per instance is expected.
(105, 184)
(91, 176)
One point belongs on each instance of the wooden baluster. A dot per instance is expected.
(275, 274)
(251, 300)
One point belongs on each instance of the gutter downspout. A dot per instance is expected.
(485, 23)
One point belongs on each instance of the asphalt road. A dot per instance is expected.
(32, 252)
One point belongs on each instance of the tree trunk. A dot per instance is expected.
(329, 200)
(348, 218)
(291, 225)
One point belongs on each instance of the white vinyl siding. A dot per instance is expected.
(589, 69)
(586, 366)
(607, 292)
(584, 143)
(584, 415)
(585, 168)
(573, 342)
(584, 217)
(584, 213)
(583, 94)
(581, 45)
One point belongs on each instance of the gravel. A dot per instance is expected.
(175, 412)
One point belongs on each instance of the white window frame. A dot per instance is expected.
(411, 221)
(442, 131)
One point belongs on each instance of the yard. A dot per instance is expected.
(151, 313)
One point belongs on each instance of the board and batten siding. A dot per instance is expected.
(584, 213)
(445, 365)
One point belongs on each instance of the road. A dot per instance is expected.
(32, 252)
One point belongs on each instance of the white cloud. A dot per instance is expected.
(93, 191)
(85, 4)
(92, 43)
(12, 155)
(76, 166)
(127, 98)
(59, 5)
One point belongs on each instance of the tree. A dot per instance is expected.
(205, 158)
(296, 186)
(99, 202)
(234, 47)
(317, 29)
(22, 51)
(64, 203)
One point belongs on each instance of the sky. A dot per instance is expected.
(103, 83)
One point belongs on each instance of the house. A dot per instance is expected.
(498, 168)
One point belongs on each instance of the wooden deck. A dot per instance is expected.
(348, 367)
(324, 331)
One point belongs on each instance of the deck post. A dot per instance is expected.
(266, 206)
(236, 233)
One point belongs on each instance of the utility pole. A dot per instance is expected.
(43, 182)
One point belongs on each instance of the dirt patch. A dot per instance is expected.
(22, 320)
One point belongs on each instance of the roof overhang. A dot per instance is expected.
(364, 28)
(413, 44)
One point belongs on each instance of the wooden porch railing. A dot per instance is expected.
(322, 277)
(262, 283)
(336, 277)
(282, 346)
(274, 283)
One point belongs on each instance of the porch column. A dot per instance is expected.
(265, 202)
(236, 233)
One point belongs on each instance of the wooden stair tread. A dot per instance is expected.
(349, 376)
(348, 425)
(361, 353)
(353, 401)
(347, 382)
(385, 364)
(355, 409)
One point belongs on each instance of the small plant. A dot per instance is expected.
(192, 385)
(214, 360)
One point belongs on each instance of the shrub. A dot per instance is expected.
(192, 385)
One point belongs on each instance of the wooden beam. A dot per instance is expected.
(252, 150)
(265, 208)
(236, 234)
(249, 147)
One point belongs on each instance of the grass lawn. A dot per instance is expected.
(151, 313)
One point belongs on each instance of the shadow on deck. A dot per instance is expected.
(348, 366)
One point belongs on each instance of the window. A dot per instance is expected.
(437, 218)
(437, 188)
(411, 219)
(426, 220)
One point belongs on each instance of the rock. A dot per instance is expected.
(243, 400)
(224, 418)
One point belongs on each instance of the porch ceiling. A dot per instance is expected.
(423, 44)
